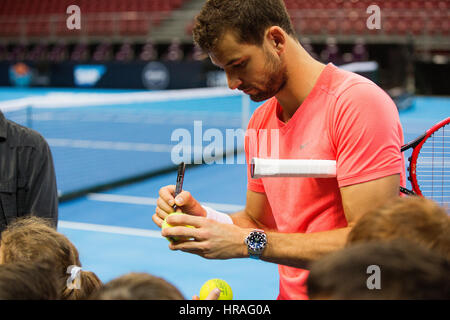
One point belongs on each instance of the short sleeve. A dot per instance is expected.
(367, 135)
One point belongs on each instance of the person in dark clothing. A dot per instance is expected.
(27, 175)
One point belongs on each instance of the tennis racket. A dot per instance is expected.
(429, 165)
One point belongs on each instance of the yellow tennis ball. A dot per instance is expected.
(225, 290)
(166, 225)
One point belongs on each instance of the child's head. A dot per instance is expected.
(138, 286)
(28, 281)
(31, 238)
(387, 270)
(416, 219)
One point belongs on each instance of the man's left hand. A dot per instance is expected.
(211, 239)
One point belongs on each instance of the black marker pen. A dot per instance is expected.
(180, 178)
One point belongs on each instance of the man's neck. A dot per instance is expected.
(303, 73)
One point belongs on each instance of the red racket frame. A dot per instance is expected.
(417, 146)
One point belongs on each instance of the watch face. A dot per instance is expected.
(257, 241)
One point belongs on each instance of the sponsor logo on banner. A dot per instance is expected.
(20, 75)
(88, 75)
(155, 76)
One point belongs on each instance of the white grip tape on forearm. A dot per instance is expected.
(293, 168)
(217, 216)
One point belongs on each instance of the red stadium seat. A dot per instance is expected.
(430, 5)
(402, 26)
(10, 29)
(389, 25)
(443, 5)
(308, 16)
(444, 26)
(32, 11)
(346, 27)
(38, 28)
(332, 26)
(135, 27)
(417, 26)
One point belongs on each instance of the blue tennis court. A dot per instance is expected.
(113, 230)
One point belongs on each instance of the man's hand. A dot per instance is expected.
(212, 239)
(184, 201)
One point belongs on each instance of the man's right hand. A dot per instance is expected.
(184, 201)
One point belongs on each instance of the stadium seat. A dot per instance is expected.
(80, 52)
(125, 52)
(417, 26)
(38, 28)
(348, 16)
(149, 52)
(174, 52)
(32, 13)
(58, 53)
(19, 52)
(39, 52)
(359, 51)
(103, 52)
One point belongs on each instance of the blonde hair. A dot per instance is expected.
(32, 238)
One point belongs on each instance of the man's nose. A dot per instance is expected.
(233, 82)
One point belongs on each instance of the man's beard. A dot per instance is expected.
(275, 81)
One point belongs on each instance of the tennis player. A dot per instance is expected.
(319, 112)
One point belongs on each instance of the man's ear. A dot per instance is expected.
(276, 38)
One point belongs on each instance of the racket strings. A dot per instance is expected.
(433, 167)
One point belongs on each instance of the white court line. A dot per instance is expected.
(109, 229)
(120, 146)
(70, 99)
(152, 201)
(109, 145)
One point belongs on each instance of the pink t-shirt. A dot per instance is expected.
(346, 118)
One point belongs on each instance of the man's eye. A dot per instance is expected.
(239, 65)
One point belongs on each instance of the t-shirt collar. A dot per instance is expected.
(322, 80)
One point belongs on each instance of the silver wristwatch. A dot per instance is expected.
(256, 242)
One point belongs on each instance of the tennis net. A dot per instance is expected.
(101, 140)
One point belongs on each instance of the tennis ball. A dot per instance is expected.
(225, 290)
(166, 225)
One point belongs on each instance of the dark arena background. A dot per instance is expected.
(411, 45)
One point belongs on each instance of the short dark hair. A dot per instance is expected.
(407, 271)
(137, 286)
(249, 19)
